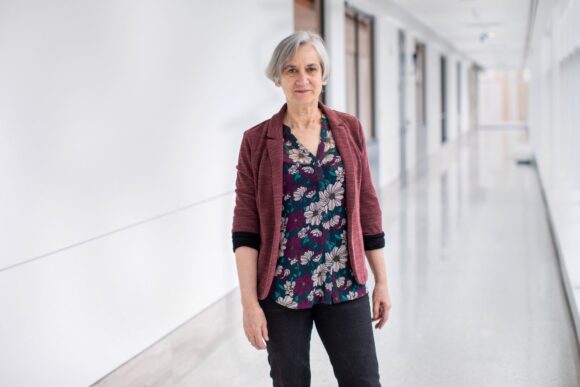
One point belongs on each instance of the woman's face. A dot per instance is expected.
(301, 78)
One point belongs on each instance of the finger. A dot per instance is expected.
(265, 332)
(251, 339)
(260, 344)
(384, 317)
(248, 337)
(376, 310)
(379, 317)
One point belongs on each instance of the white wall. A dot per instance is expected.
(111, 114)
(334, 25)
(387, 97)
(120, 123)
(465, 114)
(554, 64)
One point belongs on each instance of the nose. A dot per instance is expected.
(302, 78)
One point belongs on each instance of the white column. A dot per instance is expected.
(334, 36)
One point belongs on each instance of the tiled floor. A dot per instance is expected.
(476, 288)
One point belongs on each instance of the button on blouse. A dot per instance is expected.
(313, 265)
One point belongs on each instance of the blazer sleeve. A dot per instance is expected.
(370, 209)
(246, 223)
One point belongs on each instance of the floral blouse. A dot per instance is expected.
(313, 266)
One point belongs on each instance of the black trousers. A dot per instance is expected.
(345, 330)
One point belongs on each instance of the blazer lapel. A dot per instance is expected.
(275, 153)
(275, 144)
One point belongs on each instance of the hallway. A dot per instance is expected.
(475, 283)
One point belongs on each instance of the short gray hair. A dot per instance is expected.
(287, 48)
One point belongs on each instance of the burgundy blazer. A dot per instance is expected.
(258, 208)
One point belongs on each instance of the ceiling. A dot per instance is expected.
(493, 33)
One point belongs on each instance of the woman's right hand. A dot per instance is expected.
(255, 326)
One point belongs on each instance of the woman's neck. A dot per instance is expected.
(302, 117)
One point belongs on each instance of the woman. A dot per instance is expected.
(306, 213)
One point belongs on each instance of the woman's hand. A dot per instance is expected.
(381, 304)
(255, 326)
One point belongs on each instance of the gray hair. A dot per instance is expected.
(287, 48)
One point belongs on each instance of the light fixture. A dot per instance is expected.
(484, 36)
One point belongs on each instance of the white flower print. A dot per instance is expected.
(302, 233)
(288, 302)
(313, 214)
(316, 232)
(299, 193)
(311, 296)
(318, 292)
(334, 221)
(328, 286)
(287, 196)
(289, 288)
(351, 295)
(331, 222)
(293, 169)
(348, 283)
(309, 170)
(340, 174)
(317, 258)
(283, 242)
(298, 156)
(327, 159)
(332, 196)
(286, 273)
(329, 144)
(310, 194)
(305, 258)
(340, 282)
(293, 261)
(319, 275)
(336, 259)
(279, 269)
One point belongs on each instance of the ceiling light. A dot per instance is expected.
(484, 36)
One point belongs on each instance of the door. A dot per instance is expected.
(443, 99)
(402, 112)
(421, 106)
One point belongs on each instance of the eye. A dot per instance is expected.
(291, 70)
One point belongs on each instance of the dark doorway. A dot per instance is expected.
(443, 99)
(459, 98)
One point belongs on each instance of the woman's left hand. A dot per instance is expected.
(381, 304)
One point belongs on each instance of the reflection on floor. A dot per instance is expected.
(476, 289)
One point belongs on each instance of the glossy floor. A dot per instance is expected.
(475, 283)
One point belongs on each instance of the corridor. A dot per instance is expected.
(476, 288)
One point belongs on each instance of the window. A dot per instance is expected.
(308, 16)
(359, 68)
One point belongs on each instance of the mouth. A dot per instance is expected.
(301, 91)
